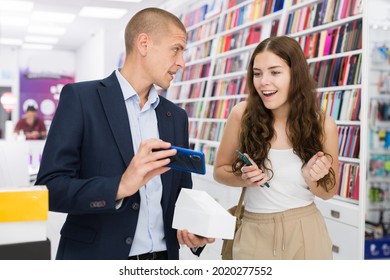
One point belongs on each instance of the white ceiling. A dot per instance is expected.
(80, 30)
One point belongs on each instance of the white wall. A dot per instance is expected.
(90, 58)
(100, 55)
(378, 10)
(114, 48)
(9, 72)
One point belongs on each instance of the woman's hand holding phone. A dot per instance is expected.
(251, 172)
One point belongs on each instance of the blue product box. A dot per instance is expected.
(377, 248)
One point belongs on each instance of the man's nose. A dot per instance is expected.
(180, 61)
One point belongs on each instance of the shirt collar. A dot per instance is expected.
(129, 92)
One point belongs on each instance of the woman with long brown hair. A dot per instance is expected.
(292, 146)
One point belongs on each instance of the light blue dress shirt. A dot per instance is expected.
(149, 235)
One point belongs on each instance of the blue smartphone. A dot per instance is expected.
(188, 160)
(247, 161)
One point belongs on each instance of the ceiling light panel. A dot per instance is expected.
(37, 46)
(100, 12)
(17, 6)
(10, 41)
(14, 20)
(126, 1)
(53, 17)
(47, 30)
(41, 39)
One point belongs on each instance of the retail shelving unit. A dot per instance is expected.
(221, 38)
(336, 64)
(377, 245)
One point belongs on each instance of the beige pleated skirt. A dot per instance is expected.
(296, 234)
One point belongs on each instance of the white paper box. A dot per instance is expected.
(200, 214)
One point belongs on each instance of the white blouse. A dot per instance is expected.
(287, 186)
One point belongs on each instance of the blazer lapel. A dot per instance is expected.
(166, 131)
(115, 110)
(165, 122)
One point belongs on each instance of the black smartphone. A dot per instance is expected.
(247, 161)
(188, 160)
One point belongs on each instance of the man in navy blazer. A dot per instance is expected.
(104, 173)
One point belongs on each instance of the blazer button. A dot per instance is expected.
(135, 206)
(128, 240)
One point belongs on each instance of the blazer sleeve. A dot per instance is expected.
(60, 167)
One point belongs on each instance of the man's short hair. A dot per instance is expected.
(150, 20)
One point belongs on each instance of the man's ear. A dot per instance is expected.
(142, 43)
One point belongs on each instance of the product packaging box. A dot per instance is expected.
(200, 214)
(23, 214)
(377, 248)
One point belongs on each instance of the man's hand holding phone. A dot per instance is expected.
(187, 160)
(145, 165)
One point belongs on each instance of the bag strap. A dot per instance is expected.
(238, 211)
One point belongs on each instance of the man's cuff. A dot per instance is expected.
(197, 250)
(118, 204)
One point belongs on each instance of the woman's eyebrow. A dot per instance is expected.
(272, 67)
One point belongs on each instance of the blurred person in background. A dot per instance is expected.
(31, 126)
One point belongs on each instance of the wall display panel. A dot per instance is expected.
(41, 77)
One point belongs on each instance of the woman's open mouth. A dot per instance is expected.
(268, 92)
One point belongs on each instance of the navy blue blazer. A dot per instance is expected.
(88, 148)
